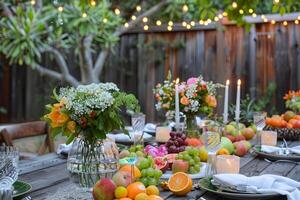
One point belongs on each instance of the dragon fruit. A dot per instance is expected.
(156, 151)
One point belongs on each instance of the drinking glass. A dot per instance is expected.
(6, 190)
(8, 152)
(259, 119)
(212, 141)
(138, 124)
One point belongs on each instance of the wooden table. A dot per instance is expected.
(48, 173)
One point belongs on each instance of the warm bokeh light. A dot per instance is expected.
(117, 11)
(145, 19)
(146, 27)
(158, 23)
(234, 4)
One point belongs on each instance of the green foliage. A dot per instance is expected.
(249, 106)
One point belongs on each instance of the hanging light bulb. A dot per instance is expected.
(145, 19)
(209, 21)
(273, 21)
(265, 20)
(201, 22)
(285, 23)
(32, 2)
(184, 24)
(93, 3)
(158, 23)
(169, 28)
(170, 23)
(296, 21)
(117, 11)
(205, 23)
(84, 15)
(251, 10)
(133, 17)
(126, 25)
(225, 14)
(105, 20)
(276, 1)
(188, 26)
(146, 27)
(60, 8)
(216, 19)
(220, 16)
(241, 11)
(138, 8)
(185, 8)
(254, 15)
(234, 4)
(193, 23)
(298, 17)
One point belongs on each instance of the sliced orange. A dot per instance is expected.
(129, 168)
(180, 183)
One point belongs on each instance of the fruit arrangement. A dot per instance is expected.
(176, 143)
(187, 161)
(237, 132)
(287, 120)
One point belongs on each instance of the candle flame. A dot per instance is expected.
(177, 81)
(227, 82)
(239, 82)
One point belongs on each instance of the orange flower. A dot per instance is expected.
(57, 118)
(289, 95)
(184, 100)
(71, 126)
(211, 101)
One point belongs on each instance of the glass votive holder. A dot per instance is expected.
(227, 164)
(268, 138)
(162, 133)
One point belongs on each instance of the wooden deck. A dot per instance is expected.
(48, 173)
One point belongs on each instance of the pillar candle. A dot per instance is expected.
(225, 114)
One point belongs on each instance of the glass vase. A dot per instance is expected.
(192, 129)
(91, 160)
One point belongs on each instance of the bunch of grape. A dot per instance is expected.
(176, 143)
(150, 176)
(191, 155)
(136, 150)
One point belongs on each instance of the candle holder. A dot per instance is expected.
(227, 164)
(162, 133)
(269, 138)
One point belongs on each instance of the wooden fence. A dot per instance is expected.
(268, 53)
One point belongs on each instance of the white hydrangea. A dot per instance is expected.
(191, 90)
(86, 98)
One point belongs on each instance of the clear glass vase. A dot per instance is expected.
(192, 129)
(89, 161)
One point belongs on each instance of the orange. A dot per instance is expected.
(152, 190)
(223, 151)
(120, 192)
(289, 125)
(128, 168)
(297, 117)
(154, 197)
(134, 189)
(126, 198)
(141, 196)
(180, 183)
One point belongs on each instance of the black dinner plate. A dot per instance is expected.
(275, 156)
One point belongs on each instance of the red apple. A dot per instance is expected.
(180, 166)
(239, 138)
(104, 189)
(248, 133)
(122, 178)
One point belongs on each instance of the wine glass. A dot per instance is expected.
(138, 124)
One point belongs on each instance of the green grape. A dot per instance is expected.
(139, 147)
(197, 166)
(132, 149)
(196, 159)
(195, 152)
(191, 162)
(157, 174)
(140, 153)
(186, 157)
(132, 154)
(144, 172)
(152, 181)
(150, 172)
(179, 157)
(144, 180)
(144, 164)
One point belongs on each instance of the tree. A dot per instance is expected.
(89, 28)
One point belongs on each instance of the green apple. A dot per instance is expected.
(227, 144)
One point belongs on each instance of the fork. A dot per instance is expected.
(27, 198)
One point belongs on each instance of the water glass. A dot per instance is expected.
(259, 119)
(8, 152)
(138, 124)
(6, 190)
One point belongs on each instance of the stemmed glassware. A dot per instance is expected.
(138, 124)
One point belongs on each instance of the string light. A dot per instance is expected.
(251, 10)
(133, 17)
(138, 8)
(296, 21)
(32, 2)
(285, 23)
(146, 27)
(220, 16)
(117, 11)
(205, 23)
(254, 15)
(188, 26)
(298, 17)
(185, 8)
(193, 23)
(126, 25)
(184, 24)
(201, 22)
(225, 14)
(241, 11)
(158, 23)
(265, 20)
(60, 8)
(209, 21)
(93, 3)
(145, 19)
(170, 23)
(105, 20)
(276, 1)
(273, 21)
(84, 15)
(263, 17)
(234, 4)
(216, 18)
(169, 28)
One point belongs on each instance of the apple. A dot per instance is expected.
(239, 138)
(230, 129)
(122, 178)
(230, 137)
(240, 148)
(227, 144)
(180, 166)
(104, 189)
(248, 133)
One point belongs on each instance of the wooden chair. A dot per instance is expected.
(29, 129)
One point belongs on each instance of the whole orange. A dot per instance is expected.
(223, 151)
(134, 189)
(130, 168)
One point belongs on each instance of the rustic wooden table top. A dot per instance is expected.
(48, 173)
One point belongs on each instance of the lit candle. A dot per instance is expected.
(228, 164)
(269, 138)
(162, 133)
(238, 99)
(177, 104)
(225, 114)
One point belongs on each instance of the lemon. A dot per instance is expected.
(120, 192)
(152, 190)
(141, 196)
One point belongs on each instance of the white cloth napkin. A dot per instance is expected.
(64, 148)
(150, 127)
(123, 137)
(266, 183)
(271, 149)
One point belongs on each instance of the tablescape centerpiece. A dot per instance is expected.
(195, 97)
(292, 101)
(85, 115)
